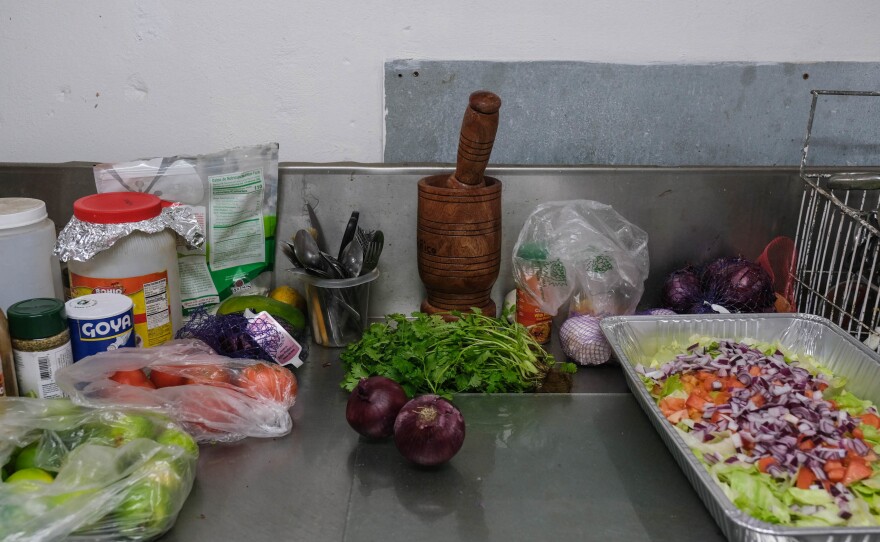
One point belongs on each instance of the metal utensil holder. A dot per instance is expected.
(838, 242)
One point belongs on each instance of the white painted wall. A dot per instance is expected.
(114, 80)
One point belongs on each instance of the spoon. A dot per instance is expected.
(306, 250)
(352, 258)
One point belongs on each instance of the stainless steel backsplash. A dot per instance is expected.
(690, 214)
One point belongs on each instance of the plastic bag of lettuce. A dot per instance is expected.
(99, 474)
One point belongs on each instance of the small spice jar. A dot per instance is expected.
(40, 345)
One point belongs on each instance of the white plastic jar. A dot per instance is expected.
(27, 267)
(141, 265)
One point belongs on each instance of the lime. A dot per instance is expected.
(26, 458)
(148, 504)
(30, 479)
(175, 437)
(122, 428)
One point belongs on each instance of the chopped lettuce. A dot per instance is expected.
(850, 403)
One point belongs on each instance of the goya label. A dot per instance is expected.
(100, 322)
(150, 298)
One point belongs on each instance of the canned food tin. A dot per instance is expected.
(100, 322)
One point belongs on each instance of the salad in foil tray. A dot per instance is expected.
(784, 439)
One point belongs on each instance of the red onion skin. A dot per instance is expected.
(429, 430)
(373, 406)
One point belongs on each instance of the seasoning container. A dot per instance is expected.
(538, 323)
(8, 385)
(100, 322)
(125, 243)
(27, 232)
(40, 345)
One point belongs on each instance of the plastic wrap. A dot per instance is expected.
(118, 474)
(214, 397)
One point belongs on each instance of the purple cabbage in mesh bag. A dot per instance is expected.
(723, 285)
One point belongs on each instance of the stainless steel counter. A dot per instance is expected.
(580, 466)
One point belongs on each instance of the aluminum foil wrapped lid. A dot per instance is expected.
(81, 240)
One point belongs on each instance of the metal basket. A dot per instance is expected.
(837, 242)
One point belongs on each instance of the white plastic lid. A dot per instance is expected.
(94, 306)
(18, 212)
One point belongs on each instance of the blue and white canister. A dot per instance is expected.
(100, 322)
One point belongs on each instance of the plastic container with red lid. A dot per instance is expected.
(140, 264)
(117, 207)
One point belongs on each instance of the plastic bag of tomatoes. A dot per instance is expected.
(75, 473)
(214, 397)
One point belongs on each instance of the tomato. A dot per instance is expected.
(765, 462)
(871, 419)
(206, 410)
(132, 378)
(207, 374)
(163, 379)
(268, 381)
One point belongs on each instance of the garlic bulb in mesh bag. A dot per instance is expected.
(583, 341)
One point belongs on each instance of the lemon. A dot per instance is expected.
(289, 295)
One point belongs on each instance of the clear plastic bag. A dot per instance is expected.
(234, 195)
(74, 473)
(215, 398)
(582, 252)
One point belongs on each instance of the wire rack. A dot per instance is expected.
(837, 273)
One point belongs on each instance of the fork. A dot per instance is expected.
(372, 251)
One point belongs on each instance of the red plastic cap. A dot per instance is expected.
(117, 207)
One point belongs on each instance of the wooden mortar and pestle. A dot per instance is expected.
(459, 220)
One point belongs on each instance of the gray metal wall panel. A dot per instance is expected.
(727, 114)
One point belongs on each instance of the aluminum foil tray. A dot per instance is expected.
(635, 339)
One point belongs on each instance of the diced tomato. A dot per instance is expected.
(806, 444)
(808, 393)
(833, 464)
(721, 398)
(832, 403)
(696, 402)
(758, 399)
(858, 469)
(716, 417)
(754, 370)
(668, 405)
(765, 462)
(689, 382)
(871, 419)
(805, 478)
(858, 433)
(836, 475)
(732, 382)
(677, 416)
(822, 386)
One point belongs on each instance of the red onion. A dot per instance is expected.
(429, 430)
(373, 406)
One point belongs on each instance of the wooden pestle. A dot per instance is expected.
(478, 128)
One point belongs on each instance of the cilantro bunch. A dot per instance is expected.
(427, 354)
